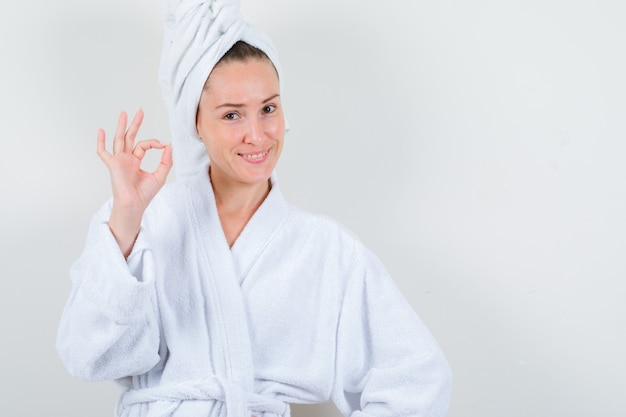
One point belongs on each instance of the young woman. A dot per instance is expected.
(212, 295)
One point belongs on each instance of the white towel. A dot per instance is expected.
(196, 35)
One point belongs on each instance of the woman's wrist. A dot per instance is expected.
(125, 225)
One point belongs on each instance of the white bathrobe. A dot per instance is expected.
(297, 311)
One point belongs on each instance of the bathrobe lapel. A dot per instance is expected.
(259, 232)
(225, 270)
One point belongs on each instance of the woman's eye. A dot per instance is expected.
(269, 108)
(231, 116)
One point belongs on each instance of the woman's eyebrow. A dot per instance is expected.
(271, 98)
(229, 105)
(238, 105)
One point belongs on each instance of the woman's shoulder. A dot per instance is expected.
(321, 240)
(328, 233)
(320, 223)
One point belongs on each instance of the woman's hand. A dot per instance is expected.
(133, 188)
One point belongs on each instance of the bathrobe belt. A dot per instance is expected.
(237, 401)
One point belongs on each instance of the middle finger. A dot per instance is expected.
(131, 133)
(118, 139)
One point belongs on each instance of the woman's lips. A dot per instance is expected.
(255, 157)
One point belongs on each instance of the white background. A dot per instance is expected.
(477, 147)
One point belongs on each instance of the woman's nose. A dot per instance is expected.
(254, 133)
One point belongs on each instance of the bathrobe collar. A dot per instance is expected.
(259, 230)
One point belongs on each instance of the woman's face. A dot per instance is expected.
(240, 121)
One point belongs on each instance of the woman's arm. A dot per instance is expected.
(109, 328)
(388, 364)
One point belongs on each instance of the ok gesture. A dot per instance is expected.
(133, 188)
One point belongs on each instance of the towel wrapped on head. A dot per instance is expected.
(196, 36)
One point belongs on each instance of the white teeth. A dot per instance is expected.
(254, 156)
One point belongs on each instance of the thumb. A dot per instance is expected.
(161, 171)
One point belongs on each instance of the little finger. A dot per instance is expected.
(101, 147)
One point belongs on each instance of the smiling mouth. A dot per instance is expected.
(254, 156)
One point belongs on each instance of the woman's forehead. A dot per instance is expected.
(242, 80)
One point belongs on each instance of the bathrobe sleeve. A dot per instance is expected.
(109, 326)
(387, 364)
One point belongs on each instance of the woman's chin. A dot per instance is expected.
(255, 176)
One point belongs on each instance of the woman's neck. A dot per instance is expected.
(236, 203)
(238, 197)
